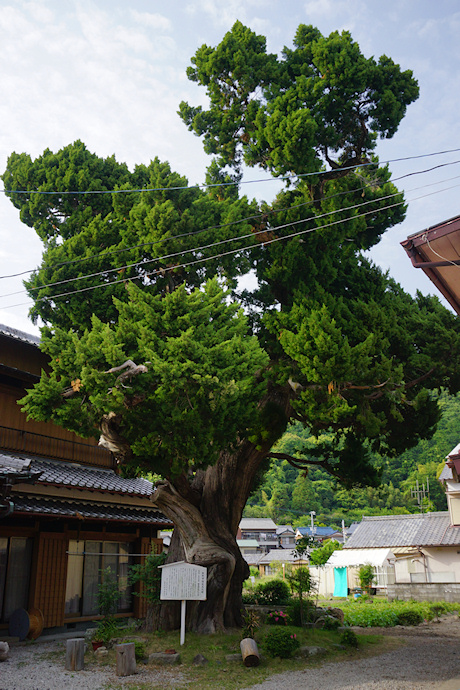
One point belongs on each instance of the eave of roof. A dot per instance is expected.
(436, 250)
(19, 335)
(64, 474)
(89, 511)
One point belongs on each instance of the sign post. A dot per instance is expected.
(183, 581)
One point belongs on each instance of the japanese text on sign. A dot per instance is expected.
(182, 581)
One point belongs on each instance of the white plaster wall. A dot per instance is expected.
(442, 564)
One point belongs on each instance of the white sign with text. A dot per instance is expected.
(183, 581)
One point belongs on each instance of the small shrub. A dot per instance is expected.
(272, 592)
(436, 609)
(251, 624)
(139, 649)
(281, 642)
(108, 594)
(366, 577)
(349, 638)
(278, 618)
(409, 618)
(105, 630)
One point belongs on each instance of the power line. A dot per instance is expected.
(144, 262)
(216, 227)
(202, 247)
(224, 184)
(162, 271)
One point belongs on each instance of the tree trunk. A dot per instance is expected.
(206, 518)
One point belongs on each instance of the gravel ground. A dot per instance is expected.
(428, 657)
(40, 666)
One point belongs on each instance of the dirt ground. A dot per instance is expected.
(414, 658)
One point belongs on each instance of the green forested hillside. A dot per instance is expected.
(288, 496)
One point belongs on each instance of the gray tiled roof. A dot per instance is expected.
(446, 474)
(430, 529)
(87, 511)
(94, 479)
(19, 335)
(57, 473)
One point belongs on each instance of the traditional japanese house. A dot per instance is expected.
(66, 515)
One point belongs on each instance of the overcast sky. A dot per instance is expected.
(112, 73)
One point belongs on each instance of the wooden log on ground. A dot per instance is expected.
(126, 659)
(75, 654)
(249, 652)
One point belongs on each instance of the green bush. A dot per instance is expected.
(366, 576)
(437, 609)
(105, 630)
(410, 618)
(349, 638)
(272, 592)
(385, 613)
(281, 642)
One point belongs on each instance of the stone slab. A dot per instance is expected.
(164, 659)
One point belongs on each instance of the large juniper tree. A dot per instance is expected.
(328, 339)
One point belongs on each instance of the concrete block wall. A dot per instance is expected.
(425, 591)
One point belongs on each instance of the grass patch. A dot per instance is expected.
(384, 614)
(233, 675)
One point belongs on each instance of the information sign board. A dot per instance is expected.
(183, 581)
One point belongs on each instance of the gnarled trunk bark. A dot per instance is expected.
(206, 515)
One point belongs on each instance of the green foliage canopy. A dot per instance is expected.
(330, 341)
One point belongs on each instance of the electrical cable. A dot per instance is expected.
(227, 184)
(216, 227)
(145, 262)
(162, 271)
(205, 246)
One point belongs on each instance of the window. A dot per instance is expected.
(87, 566)
(15, 561)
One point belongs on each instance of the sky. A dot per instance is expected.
(112, 73)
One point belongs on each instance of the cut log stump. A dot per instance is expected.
(249, 652)
(75, 654)
(126, 659)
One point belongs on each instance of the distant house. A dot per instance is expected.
(263, 530)
(249, 546)
(286, 536)
(320, 533)
(66, 515)
(346, 564)
(425, 548)
(281, 556)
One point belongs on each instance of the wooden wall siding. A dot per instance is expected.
(22, 356)
(44, 438)
(49, 578)
(146, 546)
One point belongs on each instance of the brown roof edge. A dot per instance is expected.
(433, 232)
(411, 244)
